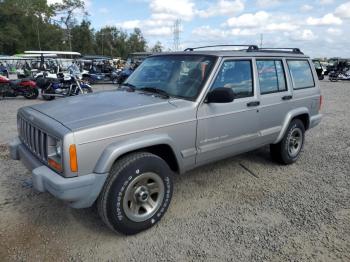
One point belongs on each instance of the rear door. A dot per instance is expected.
(275, 97)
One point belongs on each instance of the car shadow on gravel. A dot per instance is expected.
(33, 204)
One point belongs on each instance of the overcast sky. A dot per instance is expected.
(319, 27)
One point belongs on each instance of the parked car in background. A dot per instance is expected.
(319, 69)
(177, 111)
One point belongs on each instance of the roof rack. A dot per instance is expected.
(281, 49)
(250, 47)
(253, 48)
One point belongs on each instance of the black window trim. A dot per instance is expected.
(284, 72)
(240, 59)
(291, 76)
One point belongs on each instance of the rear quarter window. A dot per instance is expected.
(301, 74)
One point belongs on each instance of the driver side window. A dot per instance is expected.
(237, 75)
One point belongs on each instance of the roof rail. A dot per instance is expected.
(281, 49)
(249, 47)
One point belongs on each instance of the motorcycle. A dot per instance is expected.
(335, 76)
(94, 78)
(21, 87)
(62, 86)
(126, 72)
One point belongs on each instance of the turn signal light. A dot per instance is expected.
(55, 165)
(73, 158)
(321, 103)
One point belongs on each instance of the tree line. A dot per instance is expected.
(36, 25)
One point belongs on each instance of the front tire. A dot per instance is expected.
(47, 97)
(137, 193)
(288, 150)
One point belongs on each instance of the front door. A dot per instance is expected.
(230, 128)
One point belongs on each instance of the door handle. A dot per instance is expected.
(287, 97)
(255, 103)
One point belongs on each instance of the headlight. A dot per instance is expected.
(59, 150)
(54, 150)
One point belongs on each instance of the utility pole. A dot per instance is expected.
(102, 42)
(176, 32)
(261, 40)
(38, 33)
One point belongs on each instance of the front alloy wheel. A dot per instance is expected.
(143, 197)
(136, 194)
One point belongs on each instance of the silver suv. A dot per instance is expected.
(177, 111)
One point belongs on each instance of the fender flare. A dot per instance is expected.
(291, 114)
(113, 151)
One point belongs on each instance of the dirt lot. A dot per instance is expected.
(219, 212)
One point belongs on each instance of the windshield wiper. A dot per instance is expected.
(155, 90)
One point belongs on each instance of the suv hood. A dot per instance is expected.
(91, 110)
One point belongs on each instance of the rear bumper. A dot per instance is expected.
(79, 192)
(315, 120)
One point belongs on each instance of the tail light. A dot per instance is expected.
(321, 103)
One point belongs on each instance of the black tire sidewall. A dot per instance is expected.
(32, 94)
(296, 123)
(115, 213)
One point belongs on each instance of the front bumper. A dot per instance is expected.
(79, 192)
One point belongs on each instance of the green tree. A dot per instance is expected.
(136, 42)
(83, 38)
(20, 24)
(157, 48)
(32, 25)
(66, 11)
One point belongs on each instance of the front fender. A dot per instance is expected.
(291, 114)
(112, 152)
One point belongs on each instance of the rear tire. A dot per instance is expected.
(33, 94)
(136, 194)
(288, 150)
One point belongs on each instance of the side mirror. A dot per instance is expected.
(220, 95)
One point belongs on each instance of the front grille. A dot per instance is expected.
(34, 138)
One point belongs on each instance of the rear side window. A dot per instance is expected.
(237, 75)
(301, 74)
(271, 76)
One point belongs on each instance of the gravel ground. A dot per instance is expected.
(219, 212)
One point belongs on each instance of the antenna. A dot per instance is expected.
(261, 40)
(176, 32)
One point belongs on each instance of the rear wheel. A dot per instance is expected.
(32, 94)
(137, 193)
(288, 150)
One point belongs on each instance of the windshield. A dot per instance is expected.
(178, 75)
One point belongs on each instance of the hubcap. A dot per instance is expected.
(295, 142)
(143, 197)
